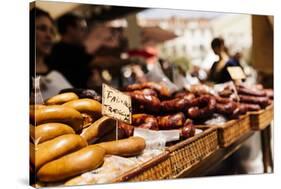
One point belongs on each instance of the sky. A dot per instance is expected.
(166, 13)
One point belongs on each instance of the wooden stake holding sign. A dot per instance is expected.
(116, 105)
(237, 74)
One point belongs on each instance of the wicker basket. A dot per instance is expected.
(158, 168)
(261, 119)
(232, 130)
(189, 152)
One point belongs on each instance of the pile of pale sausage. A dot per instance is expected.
(69, 137)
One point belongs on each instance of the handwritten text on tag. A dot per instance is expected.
(116, 104)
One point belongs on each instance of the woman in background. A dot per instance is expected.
(218, 72)
(42, 35)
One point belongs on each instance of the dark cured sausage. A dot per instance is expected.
(185, 94)
(188, 130)
(204, 107)
(250, 107)
(251, 92)
(171, 121)
(161, 90)
(149, 102)
(125, 129)
(177, 104)
(145, 121)
(225, 106)
(269, 93)
(262, 101)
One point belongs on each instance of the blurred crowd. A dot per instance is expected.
(70, 53)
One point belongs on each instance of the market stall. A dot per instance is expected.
(149, 127)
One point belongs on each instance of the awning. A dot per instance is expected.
(157, 34)
(91, 12)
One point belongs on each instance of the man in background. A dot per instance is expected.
(69, 55)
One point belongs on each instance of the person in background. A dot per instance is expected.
(104, 42)
(69, 56)
(218, 72)
(247, 158)
(42, 36)
(41, 41)
(42, 28)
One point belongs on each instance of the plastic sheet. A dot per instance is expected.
(36, 96)
(157, 139)
(115, 166)
(217, 119)
(156, 74)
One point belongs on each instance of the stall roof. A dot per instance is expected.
(157, 34)
(56, 9)
(89, 11)
(105, 12)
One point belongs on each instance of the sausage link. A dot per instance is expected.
(188, 129)
(59, 114)
(145, 121)
(171, 121)
(49, 131)
(204, 107)
(150, 103)
(98, 129)
(176, 105)
(62, 98)
(161, 90)
(126, 147)
(262, 101)
(55, 148)
(225, 106)
(250, 92)
(73, 164)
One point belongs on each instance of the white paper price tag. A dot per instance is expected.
(116, 104)
(236, 73)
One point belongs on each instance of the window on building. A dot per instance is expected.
(174, 51)
(184, 48)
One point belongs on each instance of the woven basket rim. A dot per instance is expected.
(230, 123)
(143, 167)
(192, 139)
(261, 111)
(222, 126)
